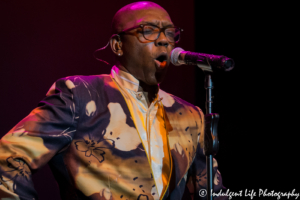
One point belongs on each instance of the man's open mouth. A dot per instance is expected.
(161, 60)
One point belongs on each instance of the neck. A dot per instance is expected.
(121, 67)
(150, 91)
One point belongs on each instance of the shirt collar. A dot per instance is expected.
(128, 81)
(125, 79)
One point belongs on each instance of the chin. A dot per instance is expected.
(159, 77)
(154, 78)
(153, 82)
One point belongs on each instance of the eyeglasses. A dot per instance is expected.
(152, 32)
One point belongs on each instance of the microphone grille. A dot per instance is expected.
(174, 56)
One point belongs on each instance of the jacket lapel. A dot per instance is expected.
(183, 132)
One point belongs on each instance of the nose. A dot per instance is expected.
(162, 40)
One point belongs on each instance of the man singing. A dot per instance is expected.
(114, 136)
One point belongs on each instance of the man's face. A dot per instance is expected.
(142, 58)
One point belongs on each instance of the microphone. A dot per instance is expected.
(207, 62)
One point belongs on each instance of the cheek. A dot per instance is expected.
(146, 53)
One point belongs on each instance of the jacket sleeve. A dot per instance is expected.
(47, 130)
(197, 181)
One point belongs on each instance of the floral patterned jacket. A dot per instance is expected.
(84, 131)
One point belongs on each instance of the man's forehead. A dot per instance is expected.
(150, 15)
(138, 13)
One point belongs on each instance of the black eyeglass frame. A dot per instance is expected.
(160, 30)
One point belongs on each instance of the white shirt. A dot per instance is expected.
(150, 125)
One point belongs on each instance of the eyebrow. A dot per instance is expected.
(156, 23)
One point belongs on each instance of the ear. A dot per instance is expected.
(116, 44)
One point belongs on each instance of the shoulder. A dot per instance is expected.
(85, 81)
(88, 79)
(79, 81)
(173, 102)
(170, 100)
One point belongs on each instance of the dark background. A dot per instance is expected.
(42, 41)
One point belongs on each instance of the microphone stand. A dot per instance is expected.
(211, 142)
(208, 64)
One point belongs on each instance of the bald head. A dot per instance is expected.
(127, 16)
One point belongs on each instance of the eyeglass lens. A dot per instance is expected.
(152, 33)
